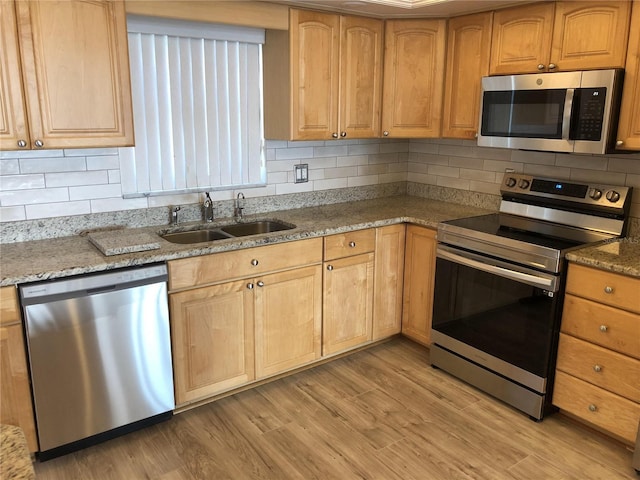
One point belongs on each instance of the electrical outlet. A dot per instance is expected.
(301, 173)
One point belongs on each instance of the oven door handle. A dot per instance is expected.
(530, 279)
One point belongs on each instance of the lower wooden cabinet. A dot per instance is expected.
(419, 272)
(16, 407)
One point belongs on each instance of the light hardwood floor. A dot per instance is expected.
(382, 413)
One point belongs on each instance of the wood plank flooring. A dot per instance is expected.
(382, 413)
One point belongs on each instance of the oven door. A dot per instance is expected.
(498, 315)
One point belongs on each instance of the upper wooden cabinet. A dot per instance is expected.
(468, 52)
(414, 63)
(629, 124)
(560, 36)
(65, 75)
(329, 85)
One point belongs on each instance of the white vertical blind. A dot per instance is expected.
(197, 102)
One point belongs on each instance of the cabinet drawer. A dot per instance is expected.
(350, 243)
(604, 409)
(604, 287)
(9, 310)
(606, 369)
(603, 325)
(218, 267)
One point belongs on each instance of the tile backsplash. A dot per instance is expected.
(49, 184)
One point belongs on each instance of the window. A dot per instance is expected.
(197, 106)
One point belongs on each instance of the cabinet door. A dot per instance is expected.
(15, 388)
(389, 270)
(288, 319)
(212, 339)
(589, 35)
(76, 69)
(420, 262)
(13, 120)
(314, 74)
(360, 76)
(629, 125)
(521, 39)
(468, 53)
(348, 302)
(414, 59)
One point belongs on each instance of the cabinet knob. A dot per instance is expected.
(260, 283)
(608, 289)
(329, 267)
(343, 134)
(38, 143)
(22, 143)
(352, 244)
(385, 133)
(254, 262)
(552, 66)
(334, 135)
(540, 67)
(619, 143)
(592, 408)
(597, 368)
(603, 328)
(250, 286)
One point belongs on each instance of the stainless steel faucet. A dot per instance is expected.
(174, 214)
(237, 211)
(208, 208)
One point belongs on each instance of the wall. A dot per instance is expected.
(58, 183)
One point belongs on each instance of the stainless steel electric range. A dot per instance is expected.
(500, 280)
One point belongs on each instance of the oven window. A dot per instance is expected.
(523, 113)
(509, 320)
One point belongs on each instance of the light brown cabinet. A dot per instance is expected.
(262, 319)
(560, 36)
(16, 407)
(419, 273)
(65, 75)
(629, 124)
(468, 53)
(598, 365)
(388, 281)
(323, 77)
(414, 63)
(347, 290)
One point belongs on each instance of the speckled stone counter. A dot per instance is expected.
(620, 256)
(15, 460)
(53, 258)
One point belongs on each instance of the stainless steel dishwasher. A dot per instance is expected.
(100, 355)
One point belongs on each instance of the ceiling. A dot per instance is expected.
(403, 8)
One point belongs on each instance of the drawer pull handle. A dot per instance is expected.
(329, 267)
(603, 328)
(260, 283)
(608, 289)
(254, 262)
(352, 244)
(592, 408)
(597, 368)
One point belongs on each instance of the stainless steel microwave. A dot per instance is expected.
(558, 112)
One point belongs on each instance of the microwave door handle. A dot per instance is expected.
(566, 117)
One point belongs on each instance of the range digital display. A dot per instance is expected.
(573, 190)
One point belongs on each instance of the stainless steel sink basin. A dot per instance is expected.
(255, 228)
(200, 235)
(195, 236)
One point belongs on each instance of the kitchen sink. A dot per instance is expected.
(255, 228)
(195, 236)
(229, 231)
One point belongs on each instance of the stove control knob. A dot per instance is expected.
(511, 182)
(595, 194)
(524, 183)
(613, 196)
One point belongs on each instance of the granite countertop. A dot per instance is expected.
(620, 256)
(60, 257)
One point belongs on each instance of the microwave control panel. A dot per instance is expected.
(588, 114)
